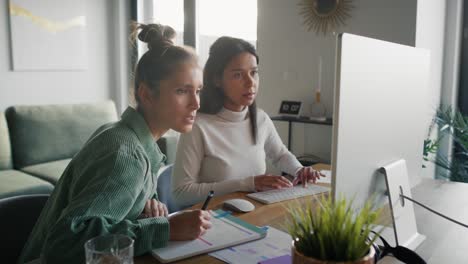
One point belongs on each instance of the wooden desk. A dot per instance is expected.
(271, 214)
(445, 242)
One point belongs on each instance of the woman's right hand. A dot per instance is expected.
(189, 225)
(268, 181)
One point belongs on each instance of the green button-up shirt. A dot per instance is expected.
(103, 190)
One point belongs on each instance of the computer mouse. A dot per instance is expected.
(238, 205)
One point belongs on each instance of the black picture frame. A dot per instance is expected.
(290, 107)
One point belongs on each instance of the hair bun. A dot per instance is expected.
(156, 35)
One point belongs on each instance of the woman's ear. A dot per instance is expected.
(144, 94)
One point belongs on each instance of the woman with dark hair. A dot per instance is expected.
(226, 150)
(109, 187)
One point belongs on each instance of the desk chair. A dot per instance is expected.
(18, 215)
(164, 188)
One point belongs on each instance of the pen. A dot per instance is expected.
(208, 198)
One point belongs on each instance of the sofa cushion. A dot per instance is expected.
(14, 183)
(49, 171)
(5, 148)
(54, 132)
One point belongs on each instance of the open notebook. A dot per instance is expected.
(226, 231)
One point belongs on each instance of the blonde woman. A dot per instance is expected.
(109, 186)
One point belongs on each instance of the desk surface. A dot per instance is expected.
(445, 242)
(272, 214)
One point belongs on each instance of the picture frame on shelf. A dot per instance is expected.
(290, 108)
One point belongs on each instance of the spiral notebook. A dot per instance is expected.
(226, 231)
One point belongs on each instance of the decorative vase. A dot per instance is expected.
(299, 258)
(317, 109)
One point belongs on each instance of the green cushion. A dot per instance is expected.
(50, 171)
(5, 148)
(54, 132)
(18, 183)
(168, 146)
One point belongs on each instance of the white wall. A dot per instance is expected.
(430, 35)
(289, 58)
(56, 87)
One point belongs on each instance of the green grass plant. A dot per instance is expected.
(332, 231)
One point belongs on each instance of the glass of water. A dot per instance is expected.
(109, 249)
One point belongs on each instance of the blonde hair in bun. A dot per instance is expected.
(157, 36)
(162, 58)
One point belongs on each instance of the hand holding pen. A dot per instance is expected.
(188, 225)
(207, 201)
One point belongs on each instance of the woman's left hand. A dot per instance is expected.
(154, 208)
(307, 175)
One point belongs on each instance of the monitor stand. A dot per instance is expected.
(402, 212)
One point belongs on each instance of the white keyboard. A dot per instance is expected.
(279, 195)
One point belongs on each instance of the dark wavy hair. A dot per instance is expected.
(223, 50)
(162, 57)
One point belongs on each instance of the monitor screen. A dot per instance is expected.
(381, 114)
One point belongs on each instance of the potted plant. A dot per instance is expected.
(449, 122)
(332, 232)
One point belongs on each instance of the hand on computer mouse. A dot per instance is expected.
(268, 181)
(307, 175)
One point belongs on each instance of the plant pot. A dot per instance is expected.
(299, 258)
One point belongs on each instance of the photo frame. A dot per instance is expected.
(48, 35)
(290, 108)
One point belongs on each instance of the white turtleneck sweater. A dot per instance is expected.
(219, 154)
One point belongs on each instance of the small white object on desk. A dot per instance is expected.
(238, 205)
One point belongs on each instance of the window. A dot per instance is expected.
(170, 12)
(218, 18)
(166, 12)
(215, 18)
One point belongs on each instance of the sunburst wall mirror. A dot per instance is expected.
(324, 16)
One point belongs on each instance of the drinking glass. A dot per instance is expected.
(109, 249)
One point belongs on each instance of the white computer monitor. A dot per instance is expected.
(381, 113)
